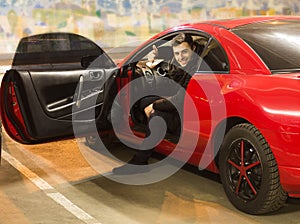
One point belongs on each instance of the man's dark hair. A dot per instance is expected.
(182, 37)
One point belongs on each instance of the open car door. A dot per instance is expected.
(57, 79)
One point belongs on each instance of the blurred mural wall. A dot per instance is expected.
(113, 23)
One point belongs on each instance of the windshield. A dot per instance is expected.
(276, 42)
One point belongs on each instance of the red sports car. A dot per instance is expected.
(241, 115)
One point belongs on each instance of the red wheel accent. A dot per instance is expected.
(243, 162)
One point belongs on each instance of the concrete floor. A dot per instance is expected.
(53, 183)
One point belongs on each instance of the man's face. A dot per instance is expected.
(182, 53)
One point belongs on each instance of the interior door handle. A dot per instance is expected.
(78, 101)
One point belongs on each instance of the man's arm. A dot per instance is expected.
(152, 54)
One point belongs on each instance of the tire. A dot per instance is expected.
(249, 172)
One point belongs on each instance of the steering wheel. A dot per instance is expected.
(151, 72)
(146, 72)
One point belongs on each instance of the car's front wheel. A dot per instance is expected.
(249, 171)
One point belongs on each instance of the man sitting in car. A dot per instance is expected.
(183, 65)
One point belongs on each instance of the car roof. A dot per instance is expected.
(237, 22)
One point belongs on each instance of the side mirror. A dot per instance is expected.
(87, 60)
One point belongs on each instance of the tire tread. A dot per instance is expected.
(276, 196)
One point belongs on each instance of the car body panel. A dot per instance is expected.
(233, 23)
(249, 92)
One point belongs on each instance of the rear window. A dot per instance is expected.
(276, 42)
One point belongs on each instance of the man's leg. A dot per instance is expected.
(142, 156)
(172, 120)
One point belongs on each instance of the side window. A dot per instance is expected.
(30, 45)
(58, 43)
(44, 43)
(58, 51)
(81, 43)
(164, 46)
(214, 58)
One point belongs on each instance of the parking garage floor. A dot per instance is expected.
(54, 183)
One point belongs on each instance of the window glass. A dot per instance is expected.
(276, 42)
(59, 51)
(58, 43)
(214, 58)
(81, 43)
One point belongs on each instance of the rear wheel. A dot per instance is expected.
(249, 171)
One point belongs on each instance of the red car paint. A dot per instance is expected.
(252, 93)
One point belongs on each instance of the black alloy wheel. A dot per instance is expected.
(244, 169)
(249, 171)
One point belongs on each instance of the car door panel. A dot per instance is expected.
(38, 124)
(54, 93)
(48, 113)
(57, 95)
(41, 100)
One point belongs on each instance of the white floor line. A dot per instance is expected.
(54, 195)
